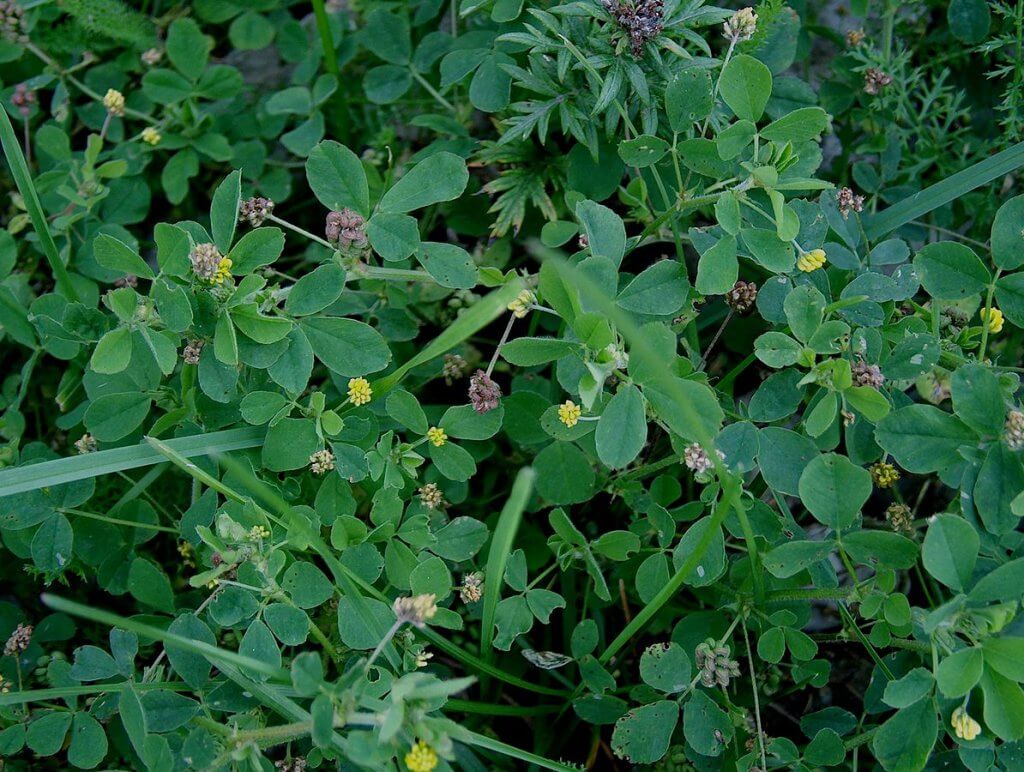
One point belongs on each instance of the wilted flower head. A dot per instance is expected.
(415, 610)
(472, 589)
(151, 56)
(742, 296)
(867, 375)
(255, 210)
(715, 664)
(740, 26)
(346, 228)
(431, 496)
(640, 20)
(855, 37)
(19, 640)
(113, 100)
(209, 264)
(849, 201)
(86, 444)
(12, 22)
(23, 98)
(900, 518)
(190, 354)
(875, 80)
(1013, 433)
(484, 394)
(454, 367)
(321, 462)
(697, 459)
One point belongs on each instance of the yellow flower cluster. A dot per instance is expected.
(569, 413)
(811, 261)
(259, 532)
(359, 391)
(151, 136)
(993, 319)
(437, 436)
(885, 475)
(421, 758)
(223, 272)
(113, 100)
(520, 305)
(966, 728)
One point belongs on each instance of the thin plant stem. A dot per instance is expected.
(707, 352)
(757, 702)
(497, 350)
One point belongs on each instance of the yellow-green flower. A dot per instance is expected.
(437, 436)
(993, 319)
(520, 305)
(965, 727)
(421, 757)
(811, 261)
(885, 475)
(151, 136)
(223, 271)
(569, 413)
(258, 532)
(113, 100)
(359, 391)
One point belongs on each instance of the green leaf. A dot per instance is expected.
(530, 352)
(187, 48)
(718, 267)
(790, 558)
(642, 736)
(906, 739)
(449, 264)
(622, 430)
(256, 249)
(1008, 230)
(112, 417)
(53, 544)
(978, 399)
(745, 86)
(643, 151)
(834, 489)
(801, 125)
(1005, 655)
(706, 726)
(224, 208)
(951, 271)
(348, 347)
(439, 177)
(564, 474)
(958, 673)
(452, 461)
(393, 236)
(665, 667)
(337, 178)
(118, 256)
(950, 551)
(113, 352)
(605, 232)
(923, 438)
(688, 407)
(1004, 706)
(659, 290)
(1000, 480)
(316, 290)
(150, 586)
(905, 691)
(688, 98)
(193, 668)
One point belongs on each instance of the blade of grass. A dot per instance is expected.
(23, 179)
(216, 655)
(63, 692)
(65, 470)
(942, 193)
(490, 744)
(501, 547)
(323, 27)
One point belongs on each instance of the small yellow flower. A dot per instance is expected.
(421, 757)
(259, 532)
(520, 305)
(993, 319)
(811, 261)
(437, 436)
(223, 271)
(213, 584)
(966, 728)
(113, 100)
(569, 413)
(885, 475)
(359, 391)
(151, 136)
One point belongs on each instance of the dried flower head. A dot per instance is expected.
(151, 56)
(740, 26)
(321, 462)
(484, 393)
(811, 261)
(640, 20)
(206, 262)
(742, 297)
(23, 98)
(86, 444)
(855, 37)
(884, 474)
(113, 100)
(875, 80)
(347, 228)
(359, 391)
(255, 210)
(1013, 430)
(472, 589)
(421, 757)
(454, 367)
(190, 354)
(697, 460)
(569, 413)
(12, 22)
(415, 610)
(431, 496)
(437, 436)
(18, 641)
(900, 518)
(867, 375)
(849, 201)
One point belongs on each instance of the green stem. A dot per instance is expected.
(988, 310)
(117, 521)
(432, 91)
(323, 27)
